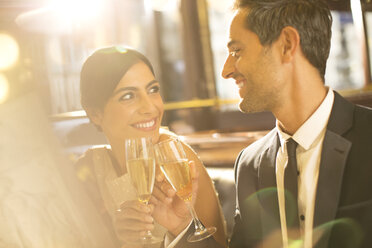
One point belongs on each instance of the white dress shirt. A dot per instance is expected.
(309, 138)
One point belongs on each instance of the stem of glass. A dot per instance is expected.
(199, 227)
(148, 234)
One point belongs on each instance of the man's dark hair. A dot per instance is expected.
(311, 18)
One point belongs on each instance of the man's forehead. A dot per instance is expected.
(241, 13)
(237, 26)
(238, 21)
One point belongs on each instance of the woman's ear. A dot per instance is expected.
(95, 116)
(290, 41)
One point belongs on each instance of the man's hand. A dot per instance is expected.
(170, 211)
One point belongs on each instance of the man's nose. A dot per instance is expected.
(228, 68)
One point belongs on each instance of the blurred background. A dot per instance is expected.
(43, 44)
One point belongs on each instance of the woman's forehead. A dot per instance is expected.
(138, 75)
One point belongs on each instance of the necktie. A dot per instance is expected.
(290, 185)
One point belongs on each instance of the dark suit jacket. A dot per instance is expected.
(343, 205)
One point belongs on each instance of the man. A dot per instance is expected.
(309, 181)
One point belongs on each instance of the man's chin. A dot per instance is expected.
(245, 107)
(249, 107)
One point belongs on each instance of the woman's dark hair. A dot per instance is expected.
(103, 70)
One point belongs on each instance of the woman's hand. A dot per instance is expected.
(132, 221)
(170, 210)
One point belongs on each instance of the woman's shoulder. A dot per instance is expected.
(166, 134)
(84, 164)
(89, 155)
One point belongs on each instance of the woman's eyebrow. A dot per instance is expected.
(125, 89)
(151, 83)
(129, 88)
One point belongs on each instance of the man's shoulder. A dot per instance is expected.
(254, 150)
(362, 124)
(360, 118)
(364, 112)
(360, 111)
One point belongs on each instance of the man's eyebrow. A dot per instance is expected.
(231, 43)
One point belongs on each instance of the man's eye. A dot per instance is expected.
(154, 89)
(235, 53)
(126, 96)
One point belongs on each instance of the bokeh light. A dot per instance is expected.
(4, 88)
(77, 10)
(161, 5)
(62, 16)
(9, 51)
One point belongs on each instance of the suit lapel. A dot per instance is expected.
(268, 195)
(331, 171)
(333, 160)
(267, 178)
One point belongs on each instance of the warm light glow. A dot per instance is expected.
(62, 16)
(9, 51)
(4, 88)
(356, 11)
(77, 10)
(54, 51)
(220, 5)
(161, 5)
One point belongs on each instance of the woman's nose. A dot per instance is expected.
(146, 105)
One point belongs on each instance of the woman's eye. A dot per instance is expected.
(126, 96)
(154, 89)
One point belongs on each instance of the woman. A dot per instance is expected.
(121, 97)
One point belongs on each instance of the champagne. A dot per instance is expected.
(142, 174)
(178, 175)
(174, 165)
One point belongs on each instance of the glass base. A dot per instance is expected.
(198, 236)
(147, 241)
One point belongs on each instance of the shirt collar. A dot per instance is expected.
(317, 122)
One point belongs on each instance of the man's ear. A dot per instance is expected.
(290, 43)
(95, 115)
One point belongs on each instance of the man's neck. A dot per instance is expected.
(298, 107)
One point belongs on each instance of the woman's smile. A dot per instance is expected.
(146, 125)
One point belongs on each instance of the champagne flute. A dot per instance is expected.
(174, 165)
(140, 162)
